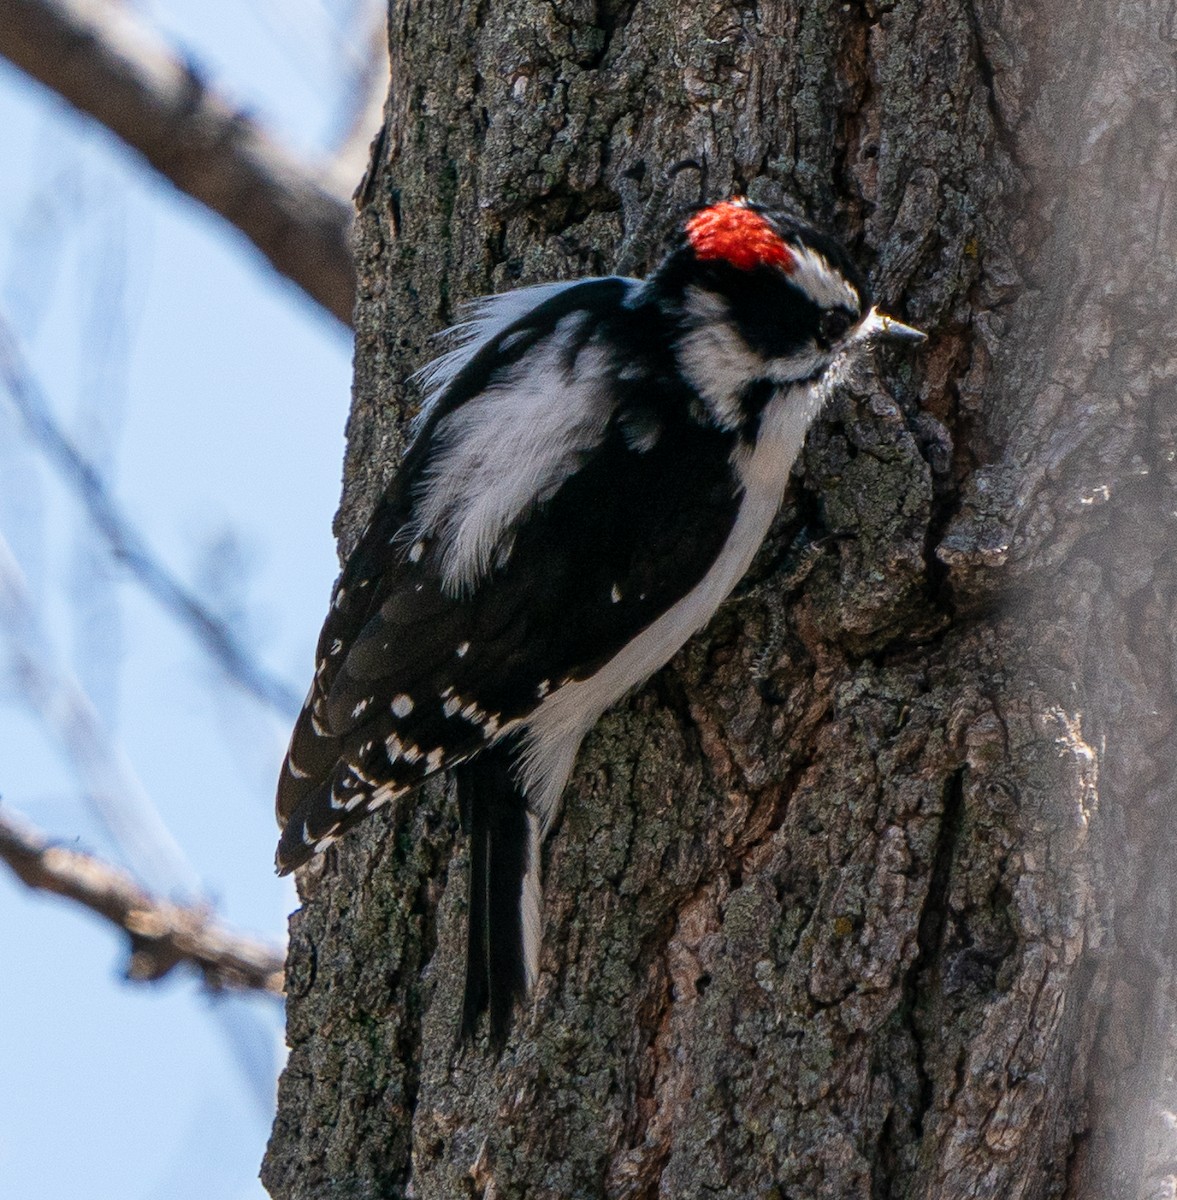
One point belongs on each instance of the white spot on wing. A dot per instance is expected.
(318, 845)
(433, 760)
(462, 650)
(615, 594)
(416, 550)
(383, 794)
(402, 705)
(367, 780)
(452, 705)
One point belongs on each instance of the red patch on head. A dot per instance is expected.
(739, 235)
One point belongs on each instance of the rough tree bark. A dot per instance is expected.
(869, 893)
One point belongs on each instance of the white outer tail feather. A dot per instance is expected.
(530, 903)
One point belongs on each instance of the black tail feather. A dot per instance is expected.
(507, 975)
(474, 823)
(494, 815)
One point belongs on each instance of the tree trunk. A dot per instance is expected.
(869, 894)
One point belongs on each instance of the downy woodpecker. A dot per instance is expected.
(595, 467)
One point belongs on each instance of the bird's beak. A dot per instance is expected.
(881, 327)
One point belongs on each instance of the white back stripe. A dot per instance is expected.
(484, 319)
(509, 449)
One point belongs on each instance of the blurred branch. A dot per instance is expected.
(112, 788)
(96, 55)
(162, 935)
(365, 111)
(124, 540)
(110, 783)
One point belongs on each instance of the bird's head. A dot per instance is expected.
(764, 299)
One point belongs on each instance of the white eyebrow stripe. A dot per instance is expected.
(824, 285)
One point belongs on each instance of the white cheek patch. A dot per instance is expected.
(826, 287)
(715, 358)
(720, 364)
(805, 364)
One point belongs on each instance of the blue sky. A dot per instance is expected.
(217, 395)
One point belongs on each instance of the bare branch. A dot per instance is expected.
(124, 540)
(162, 935)
(369, 88)
(55, 697)
(99, 58)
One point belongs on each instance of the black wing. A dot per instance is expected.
(414, 674)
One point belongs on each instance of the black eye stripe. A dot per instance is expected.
(834, 323)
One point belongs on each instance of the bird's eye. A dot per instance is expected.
(834, 323)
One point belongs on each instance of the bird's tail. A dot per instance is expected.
(502, 949)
